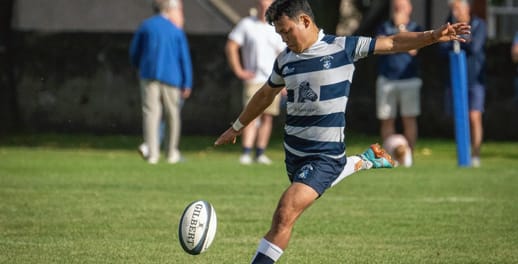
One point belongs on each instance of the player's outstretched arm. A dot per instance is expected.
(406, 41)
(260, 101)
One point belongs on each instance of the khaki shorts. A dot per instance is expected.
(250, 89)
(391, 94)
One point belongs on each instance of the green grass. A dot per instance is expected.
(88, 199)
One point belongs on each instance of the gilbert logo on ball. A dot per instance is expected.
(197, 227)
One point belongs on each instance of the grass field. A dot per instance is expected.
(88, 199)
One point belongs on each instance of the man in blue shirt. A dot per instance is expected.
(475, 60)
(317, 70)
(160, 51)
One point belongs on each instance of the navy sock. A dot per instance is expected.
(260, 258)
(259, 152)
(247, 150)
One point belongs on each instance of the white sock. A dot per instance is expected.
(351, 167)
(268, 249)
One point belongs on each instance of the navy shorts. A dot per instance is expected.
(318, 172)
(476, 98)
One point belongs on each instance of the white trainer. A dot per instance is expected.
(152, 160)
(245, 159)
(143, 150)
(263, 159)
(174, 159)
(475, 162)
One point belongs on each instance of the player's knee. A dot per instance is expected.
(283, 219)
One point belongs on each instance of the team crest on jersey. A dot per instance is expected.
(287, 70)
(306, 93)
(326, 61)
(305, 172)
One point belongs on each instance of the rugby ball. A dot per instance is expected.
(197, 227)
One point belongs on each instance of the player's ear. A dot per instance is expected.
(305, 20)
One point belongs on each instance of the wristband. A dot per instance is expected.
(431, 34)
(237, 125)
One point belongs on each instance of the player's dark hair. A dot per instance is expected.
(289, 8)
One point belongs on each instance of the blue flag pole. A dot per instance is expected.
(459, 83)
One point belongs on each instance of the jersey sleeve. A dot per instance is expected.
(359, 47)
(276, 79)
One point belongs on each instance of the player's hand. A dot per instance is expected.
(227, 137)
(449, 32)
(186, 93)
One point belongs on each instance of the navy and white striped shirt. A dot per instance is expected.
(318, 82)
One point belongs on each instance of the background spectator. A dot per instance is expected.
(398, 86)
(251, 49)
(160, 51)
(475, 59)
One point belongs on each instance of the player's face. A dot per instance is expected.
(293, 33)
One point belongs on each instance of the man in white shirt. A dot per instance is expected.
(259, 46)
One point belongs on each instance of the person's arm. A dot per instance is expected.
(135, 49)
(514, 49)
(514, 52)
(406, 41)
(186, 66)
(415, 51)
(233, 57)
(260, 101)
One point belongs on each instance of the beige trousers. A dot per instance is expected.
(158, 98)
(251, 88)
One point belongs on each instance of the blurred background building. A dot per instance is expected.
(65, 68)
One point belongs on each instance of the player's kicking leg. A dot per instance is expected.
(297, 198)
(374, 157)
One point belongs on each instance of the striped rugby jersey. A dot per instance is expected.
(318, 82)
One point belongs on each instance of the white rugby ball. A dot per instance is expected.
(197, 227)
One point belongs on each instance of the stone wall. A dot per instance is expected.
(83, 82)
